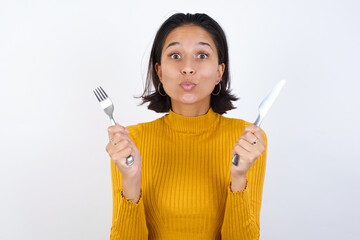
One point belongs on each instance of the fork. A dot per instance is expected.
(108, 107)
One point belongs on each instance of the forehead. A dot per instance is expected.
(189, 34)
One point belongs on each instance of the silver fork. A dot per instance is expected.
(108, 107)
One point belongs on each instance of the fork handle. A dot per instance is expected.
(112, 121)
(129, 159)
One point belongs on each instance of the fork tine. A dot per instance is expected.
(97, 96)
(102, 93)
(106, 96)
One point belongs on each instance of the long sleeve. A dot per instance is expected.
(128, 220)
(242, 211)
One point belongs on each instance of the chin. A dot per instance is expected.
(188, 98)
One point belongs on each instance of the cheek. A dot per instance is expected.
(169, 72)
(209, 73)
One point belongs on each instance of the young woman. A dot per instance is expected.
(182, 184)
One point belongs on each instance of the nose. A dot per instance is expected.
(188, 67)
(187, 70)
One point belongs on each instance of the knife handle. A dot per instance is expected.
(258, 121)
(236, 158)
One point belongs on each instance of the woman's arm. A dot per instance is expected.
(128, 220)
(242, 213)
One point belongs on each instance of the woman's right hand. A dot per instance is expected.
(120, 147)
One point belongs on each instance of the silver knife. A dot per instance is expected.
(263, 109)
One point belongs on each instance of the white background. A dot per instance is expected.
(54, 171)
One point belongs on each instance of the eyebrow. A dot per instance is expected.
(199, 43)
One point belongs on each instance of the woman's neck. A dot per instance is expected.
(190, 110)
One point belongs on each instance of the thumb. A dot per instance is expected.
(126, 130)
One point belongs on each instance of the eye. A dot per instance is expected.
(175, 56)
(202, 55)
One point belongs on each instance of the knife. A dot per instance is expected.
(263, 109)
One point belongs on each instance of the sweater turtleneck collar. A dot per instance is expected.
(191, 124)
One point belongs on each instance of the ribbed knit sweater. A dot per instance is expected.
(185, 182)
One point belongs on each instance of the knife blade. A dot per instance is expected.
(264, 107)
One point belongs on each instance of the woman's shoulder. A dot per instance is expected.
(143, 126)
(236, 124)
(229, 121)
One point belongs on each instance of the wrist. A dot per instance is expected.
(131, 181)
(132, 199)
(238, 183)
(131, 189)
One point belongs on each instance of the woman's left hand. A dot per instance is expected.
(249, 148)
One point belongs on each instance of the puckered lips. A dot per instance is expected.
(187, 85)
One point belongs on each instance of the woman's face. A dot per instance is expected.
(189, 67)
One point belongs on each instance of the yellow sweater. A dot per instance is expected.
(185, 182)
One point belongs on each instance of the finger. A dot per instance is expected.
(257, 131)
(108, 147)
(120, 146)
(117, 129)
(260, 136)
(239, 150)
(249, 136)
(123, 128)
(252, 148)
(116, 137)
(251, 128)
(127, 147)
(119, 137)
(249, 156)
(244, 143)
(123, 154)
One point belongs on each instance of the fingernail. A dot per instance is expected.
(126, 131)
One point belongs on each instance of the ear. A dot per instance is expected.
(220, 71)
(158, 70)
